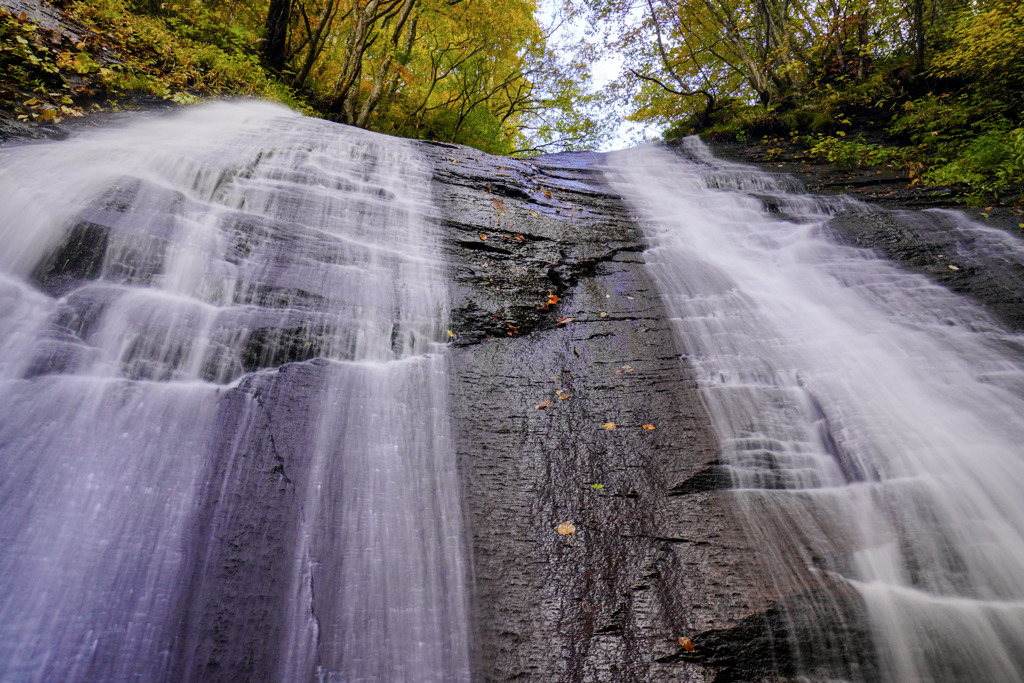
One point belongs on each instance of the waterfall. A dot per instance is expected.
(224, 441)
(871, 421)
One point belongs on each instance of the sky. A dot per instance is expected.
(604, 71)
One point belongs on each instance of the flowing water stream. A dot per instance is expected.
(161, 519)
(224, 432)
(872, 422)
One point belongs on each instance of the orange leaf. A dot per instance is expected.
(545, 404)
(686, 644)
(566, 528)
(648, 427)
(547, 194)
(520, 237)
(562, 397)
(498, 205)
(552, 298)
(483, 235)
(515, 330)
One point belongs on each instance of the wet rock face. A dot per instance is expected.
(655, 553)
(985, 266)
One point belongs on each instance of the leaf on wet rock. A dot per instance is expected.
(547, 194)
(624, 368)
(545, 404)
(603, 314)
(566, 528)
(519, 238)
(562, 397)
(609, 426)
(597, 487)
(551, 301)
(450, 334)
(535, 214)
(563, 321)
(686, 644)
(952, 267)
(498, 205)
(483, 235)
(649, 427)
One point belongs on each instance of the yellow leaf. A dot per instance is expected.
(603, 314)
(450, 334)
(534, 214)
(686, 644)
(609, 426)
(562, 397)
(566, 528)
(952, 267)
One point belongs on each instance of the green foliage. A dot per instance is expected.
(991, 163)
(856, 153)
(472, 72)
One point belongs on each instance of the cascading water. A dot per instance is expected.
(163, 519)
(871, 420)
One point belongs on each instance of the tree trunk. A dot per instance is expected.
(275, 43)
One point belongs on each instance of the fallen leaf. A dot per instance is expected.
(566, 528)
(489, 187)
(562, 397)
(597, 486)
(609, 426)
(450, 334)
(562, 321)
(545, 404)
(603, 314)
(952, 267)
(534, 214)
(498, 205)
(648, 427)
(547, 194)
(520, 237)
(483, 235)
(515, 330)
(686, 644)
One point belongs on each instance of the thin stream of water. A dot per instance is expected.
(871, 420)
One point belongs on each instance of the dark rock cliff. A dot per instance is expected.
(657, 554)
